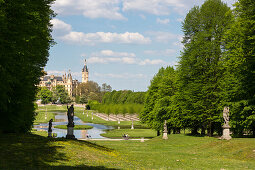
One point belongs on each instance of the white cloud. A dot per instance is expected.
(60, 73)
(164, 37)
(60, 27)
(156, 7)
(90, 8)
(105, 37)
(126, 60)
(114, 53)
(122, 76)
(179, 19)
(152, 62)
(163, 21)
(164, 7)
(166, 52)
(142, 16)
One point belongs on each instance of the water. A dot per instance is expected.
(61, 119)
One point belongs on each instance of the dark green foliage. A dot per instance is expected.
(83, 99)
(89, 90)
(25, 40)
(199, 70)
(45, 95)
(239, 65)
(123, 97)
(159, 98)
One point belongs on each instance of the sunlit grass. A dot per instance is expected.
(132, 133)
(76, 127)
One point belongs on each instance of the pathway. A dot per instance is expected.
(113, 117)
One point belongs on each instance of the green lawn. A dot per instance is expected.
(43, 116)
(77, 127)
(78, 111)
(132, 133)
(31, 151)
(178, 152)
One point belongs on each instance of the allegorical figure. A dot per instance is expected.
(226, 116)
(70, 115)
(50, 125)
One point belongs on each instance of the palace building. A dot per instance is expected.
(68, 82)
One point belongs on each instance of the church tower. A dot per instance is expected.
(85, 73)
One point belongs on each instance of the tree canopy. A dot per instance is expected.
(24, 50)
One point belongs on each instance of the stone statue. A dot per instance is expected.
(226, 127)
(50, 128)
(226, 116)
(70, 115)
(70, 125)
(165, 131)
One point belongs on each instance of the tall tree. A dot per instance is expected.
(157, 102)
(24, 44)
(239, 64)
(199, 71)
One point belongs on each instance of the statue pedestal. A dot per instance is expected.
(226, 132)
(165, 131)
(70, 134)
(50, 134)
(132, 125)
(165, 135)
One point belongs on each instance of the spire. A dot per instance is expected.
(85, 68)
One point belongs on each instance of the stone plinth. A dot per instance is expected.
(165, 135)
(165, 131)
(70, 134)
(226, 132)
(132, 126)
(50, 134)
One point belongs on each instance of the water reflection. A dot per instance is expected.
(61, 119)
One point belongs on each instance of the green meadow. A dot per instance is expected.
(181, 151)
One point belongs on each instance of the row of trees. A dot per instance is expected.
(57, 95)
(118, 109)
(216, 69)
(91, 91)
(24, 44)
(84, 92)
(119, 102)
(123, 97)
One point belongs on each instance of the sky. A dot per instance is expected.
(125, 42)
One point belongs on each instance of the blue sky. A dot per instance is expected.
(125, 42)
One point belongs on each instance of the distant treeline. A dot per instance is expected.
(119, 102)
(123, 97)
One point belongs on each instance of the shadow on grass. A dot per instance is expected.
(28, 151)
(93, 145)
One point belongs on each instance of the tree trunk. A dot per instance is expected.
(158, 133)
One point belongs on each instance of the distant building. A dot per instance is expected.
(70, 85)
(85, 73)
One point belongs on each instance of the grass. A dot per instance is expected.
(30, 151)
(97, 120)
(187, 152)
(77, 127)
(43, 116)
(78, 111)
(132, 133)
(178, 152)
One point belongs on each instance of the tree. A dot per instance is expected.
(61, 94)
(46, 95)
(199, 71)
(239, 62)
(83, 99)
(155, 106)
(24, 44)
(91, 90)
